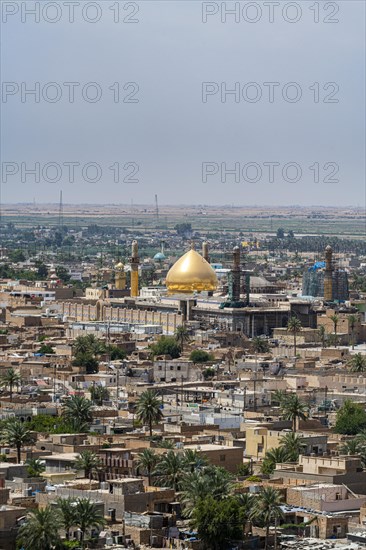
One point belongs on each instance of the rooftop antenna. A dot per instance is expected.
(61, 212)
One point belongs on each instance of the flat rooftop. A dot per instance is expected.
(125, 481)
(210, 447)
(62, 456)
(316, 486)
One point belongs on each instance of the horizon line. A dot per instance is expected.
(199, 205)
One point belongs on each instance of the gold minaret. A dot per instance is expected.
(328, 275)
(120, 276)
(134, 263)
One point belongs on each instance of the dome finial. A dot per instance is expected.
(192, 245)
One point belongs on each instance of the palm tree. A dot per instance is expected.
(86, 517)
(77, 412)
(294, 409)
(89, 462)
(181, 335)
(335, 320)
(165, 444)
(352, 321)
(362, 437)
(148, 409)
(293, 445)
(170, 469)
(362, 455)
(221, 481)
(351, 447)
(40, 530)
(16, 434)
(147, 460)
(357, 363)
(246, 505)
(267, 509)
(194, 486)
(260, 345)
(81, 345)
(10, 379)
(322, 333)
(358, 282)
(356, 446)
(278, 396)
(88, 344)
(274, 456)
(97, 346)
(193, 460)
(35, 467)
(86, 350)
(66, 507)
(99, 394)
(197, 485)
(294, 327)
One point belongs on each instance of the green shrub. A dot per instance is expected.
(200, 356)
(166, 345)
(255, 479)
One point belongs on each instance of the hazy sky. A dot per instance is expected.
(169, 131)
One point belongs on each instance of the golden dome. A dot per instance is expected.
(119, 265)
(191, 273)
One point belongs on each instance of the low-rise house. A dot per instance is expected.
(117, 496)
(259, 439)
(149, 529)
(346, 470)
(325, 497)
(60, 467)
(10, 518)
(173, 370)
(117, 462)
(225, 456)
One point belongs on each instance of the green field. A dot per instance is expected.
(303, 221)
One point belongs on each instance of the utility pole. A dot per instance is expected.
(325, 401)
(117, 389)
(54, 383)
(255, 383)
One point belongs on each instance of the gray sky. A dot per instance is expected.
(170, 132)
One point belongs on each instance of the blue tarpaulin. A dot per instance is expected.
(317, 265)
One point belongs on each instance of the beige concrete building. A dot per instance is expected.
(324, 497)
(9, 524)
(259, 439)
(220, 455)
(315, 469)
(305, 336)
(344, 328)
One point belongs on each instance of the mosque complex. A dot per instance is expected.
(193, 294)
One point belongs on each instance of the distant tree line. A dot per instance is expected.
(313, 243)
